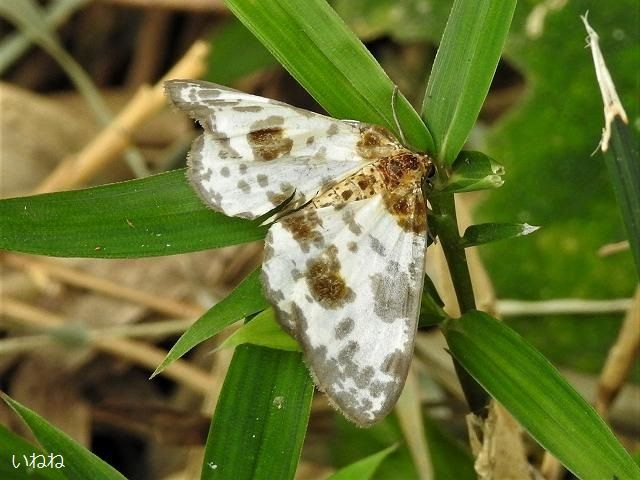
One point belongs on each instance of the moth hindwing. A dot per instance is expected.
(344, 260)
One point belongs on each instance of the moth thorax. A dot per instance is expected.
(405, 167)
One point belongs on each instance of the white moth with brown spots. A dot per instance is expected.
(344, 259)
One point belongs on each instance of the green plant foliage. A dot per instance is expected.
(261, 417)
(262, 330)
(472, 171)
(403, 20)
(492, 232)
(463, 70)
(12, 450)
(547, 144)
(79, 462)
(624, 168)
(450, 459)
(225, 66)
(158, 215)
(246, 299)
(533, 391)
(365, 468)
(334, 66)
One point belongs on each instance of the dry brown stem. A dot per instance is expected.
(620, 359)
(115, 138)
(56, 269)
(136, 352)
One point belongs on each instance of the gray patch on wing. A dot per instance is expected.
(225, 148)
(332, 374)
(248, 108)
(269, 122)
(395, 364)
(198, 175)
(242, 168)
(349, 218)
(332, 130)
(244, 186)
(378, 388)
(344, 328)
(224, 171)
(310, 140)
(394, 298)
(352, 246)
(321, 153)
(377, 246)
(263, 180)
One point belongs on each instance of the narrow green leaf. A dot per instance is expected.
(535, 393)
(244, 300)
(472, 171)
(261, 417)
(334, 66)
(620, 148)
(79, 463)
(16, 453)
(158, 215)
(624, 168)
(262, 330)
(365, 468)
(492, 232)
(462, 71)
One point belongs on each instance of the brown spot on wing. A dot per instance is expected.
(409, 210)
(325, 281)
(304, 228)
(269, 143)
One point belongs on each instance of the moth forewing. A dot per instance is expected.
(255, 153)
(344, 261)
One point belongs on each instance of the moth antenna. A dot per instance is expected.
(394, 100)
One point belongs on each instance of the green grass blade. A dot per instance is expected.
(492, 232)
(158, 215)
(329, 61)
(15, 453)
(462, 71)
(246, 299)
(261, 418)
(624, 168)
(365, 468)
(79, 463)
(521, 379)
(471, 171)
(262, 330)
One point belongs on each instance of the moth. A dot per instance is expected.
(344, 257)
